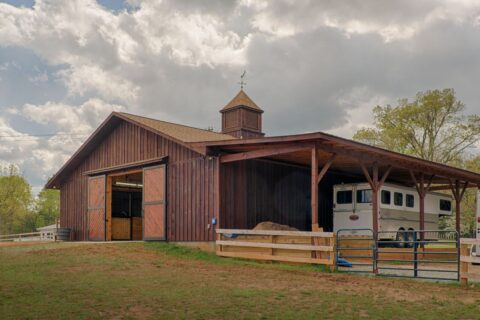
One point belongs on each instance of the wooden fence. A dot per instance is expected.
(469, 265)
(273, 245)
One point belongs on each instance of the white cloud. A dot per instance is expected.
(41, 156)
(312, 65)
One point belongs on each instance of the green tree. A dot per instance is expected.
(432, 127)
(16, 202)
(47, 207)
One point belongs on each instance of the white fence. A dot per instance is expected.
(31, 236)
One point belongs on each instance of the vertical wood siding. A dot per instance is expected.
(255, 191)
(130, 143)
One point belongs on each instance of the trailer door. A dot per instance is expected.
(96, 208)
(154, 217)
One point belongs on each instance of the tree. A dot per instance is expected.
(47, 207)
(16, 201)
(432, 127)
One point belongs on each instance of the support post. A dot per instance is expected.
(375, 184)
(458, 208)
(422, 190)
(216, 193)
(458, 193)
(314, 188)
(375, 199)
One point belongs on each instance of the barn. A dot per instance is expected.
(137, 178)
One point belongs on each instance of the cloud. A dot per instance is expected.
(40, 156)
(311, 65)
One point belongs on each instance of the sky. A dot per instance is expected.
(311, 65)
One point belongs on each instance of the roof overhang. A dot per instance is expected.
(350, 155)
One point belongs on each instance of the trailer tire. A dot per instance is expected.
(409, 238)
(400, 238)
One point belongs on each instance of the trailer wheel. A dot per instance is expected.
(401, 238)
(409, 237)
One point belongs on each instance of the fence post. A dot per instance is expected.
(464, 252)
(375, 251)
(415, 254)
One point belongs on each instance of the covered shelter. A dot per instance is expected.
(344, 160)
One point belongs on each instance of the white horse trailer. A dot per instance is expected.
(399, 210)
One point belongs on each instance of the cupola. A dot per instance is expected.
(242, 118)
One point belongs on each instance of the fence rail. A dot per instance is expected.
(275, 245)
(47, 235)
(29, 236)
(469, 264)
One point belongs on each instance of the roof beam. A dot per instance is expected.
(265, 152)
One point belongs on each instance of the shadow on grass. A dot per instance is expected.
(210, 257)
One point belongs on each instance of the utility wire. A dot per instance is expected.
(34, 137)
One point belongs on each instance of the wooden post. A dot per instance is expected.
(464, 252)
(458, 193)
(375, 184)
(375, 199)
(457, 206)
(422, 190)
(216, 191)
(314, 188)
(108, 209)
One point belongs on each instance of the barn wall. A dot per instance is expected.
(130, 143)
(254, 191)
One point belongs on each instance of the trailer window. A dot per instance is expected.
(386, 197)
(410, 200)
(344, 197)
(398, 198)
(364, 196)
(445, 205)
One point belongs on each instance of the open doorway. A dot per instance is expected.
(134, 206)
(126, 207)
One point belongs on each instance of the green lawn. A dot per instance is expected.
(157, 280)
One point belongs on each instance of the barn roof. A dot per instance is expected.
(181, 134)
(350, 155)
(241, 100)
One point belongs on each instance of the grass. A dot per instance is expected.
(159, 280)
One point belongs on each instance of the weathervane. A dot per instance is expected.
(242, 83)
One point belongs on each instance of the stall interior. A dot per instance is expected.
(127, 207)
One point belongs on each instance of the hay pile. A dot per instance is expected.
(268, 225)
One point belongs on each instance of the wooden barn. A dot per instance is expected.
(137, 178)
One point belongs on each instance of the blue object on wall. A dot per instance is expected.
(214, 221)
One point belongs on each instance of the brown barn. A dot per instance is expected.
(138, 178)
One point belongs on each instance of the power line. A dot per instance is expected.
(35, 137)
(44, 135)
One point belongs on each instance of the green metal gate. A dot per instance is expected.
(424, 254)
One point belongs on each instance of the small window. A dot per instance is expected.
(364, 196)
(445, 205)
(386, 197)
(398, 198)
(410, 200)
(344, 197)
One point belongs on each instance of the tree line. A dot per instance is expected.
(432, 126)
(20, 211)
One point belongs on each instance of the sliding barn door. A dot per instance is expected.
(96, 208)
(154, 222)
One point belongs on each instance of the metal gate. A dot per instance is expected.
(426, 254)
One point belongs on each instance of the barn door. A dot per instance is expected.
(154, 222)
(96, 208)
